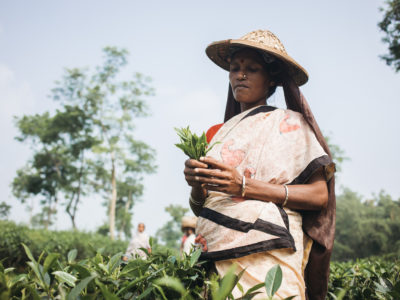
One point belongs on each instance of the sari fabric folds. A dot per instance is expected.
(275, 146)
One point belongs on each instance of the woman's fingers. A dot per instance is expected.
(211, 173)
(192, 181)
(192, 163)
(219, 188)
(215, 164)
(213, 181)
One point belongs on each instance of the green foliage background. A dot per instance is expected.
(366, 227)
(162, 275)
(38, 240)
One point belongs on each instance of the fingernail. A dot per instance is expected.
(202, 158)
(196, 170)
(196, 178)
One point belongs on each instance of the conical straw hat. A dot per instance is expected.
(262, 40)
(189, 221)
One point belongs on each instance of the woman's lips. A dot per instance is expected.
(241, 86)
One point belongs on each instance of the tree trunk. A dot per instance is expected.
(30, 213)
(48, 219)
(74, 201)
(113, 201)
(127, 204)
(68, 210)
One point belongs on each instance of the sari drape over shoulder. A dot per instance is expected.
(276, 146)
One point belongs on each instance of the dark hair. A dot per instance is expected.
(271, 90)
(273, 69)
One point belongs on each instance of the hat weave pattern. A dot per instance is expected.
(261, 40)
(266, 38)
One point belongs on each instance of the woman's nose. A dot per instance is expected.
(241, 75)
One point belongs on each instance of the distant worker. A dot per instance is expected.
(188, 227)
(139, 240)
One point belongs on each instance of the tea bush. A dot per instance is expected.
(373, 278)
(160, 276)
(12, 236)
(94, 270)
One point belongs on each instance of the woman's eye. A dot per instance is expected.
(253, 69)
(234, 69)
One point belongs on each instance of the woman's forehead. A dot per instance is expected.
(247, 54)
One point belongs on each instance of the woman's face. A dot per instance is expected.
(249, 80)
(141, 227)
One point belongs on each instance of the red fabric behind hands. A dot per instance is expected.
(212, 131)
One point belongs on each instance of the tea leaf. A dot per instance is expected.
(72, 255)
(49, 261)
(79, 287)
(28, 252)
(254, 288)
(192, 145)
(195, 257)
(65, 277)
(273, 280)
(173, 283)
(227, 284)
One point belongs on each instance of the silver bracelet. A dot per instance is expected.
(191, 200)
(243, 186)
(287, 195)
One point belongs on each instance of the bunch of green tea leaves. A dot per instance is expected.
(192, 145)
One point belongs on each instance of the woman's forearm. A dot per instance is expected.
(310, 196)
(198, 196)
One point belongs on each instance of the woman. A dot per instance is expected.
(140, 240)
(265, 193)
(188, 226)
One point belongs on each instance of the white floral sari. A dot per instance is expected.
(275, 146)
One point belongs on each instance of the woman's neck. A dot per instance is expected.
(247, 106)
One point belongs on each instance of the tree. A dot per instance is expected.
(112, 106)
(92, 135)
(56, 166)
(338, 154)
(390, 25)
(127, 192)
(4, 210)
(366, 227)
(45, 175)
(171, 232)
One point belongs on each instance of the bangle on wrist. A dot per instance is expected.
(191, 200)
(286, 195)
(243, 186)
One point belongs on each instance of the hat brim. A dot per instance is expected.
(218, 52)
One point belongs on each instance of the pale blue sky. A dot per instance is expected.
(353, 94)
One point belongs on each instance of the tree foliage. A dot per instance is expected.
(338, 154)
(390, 25)
(88, 145)
(171, 233)
(366, 227)
(4, 210)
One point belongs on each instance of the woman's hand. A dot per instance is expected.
(190, 174)
(219, 177)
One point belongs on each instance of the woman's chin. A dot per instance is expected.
(243, 99)
(249, 102)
